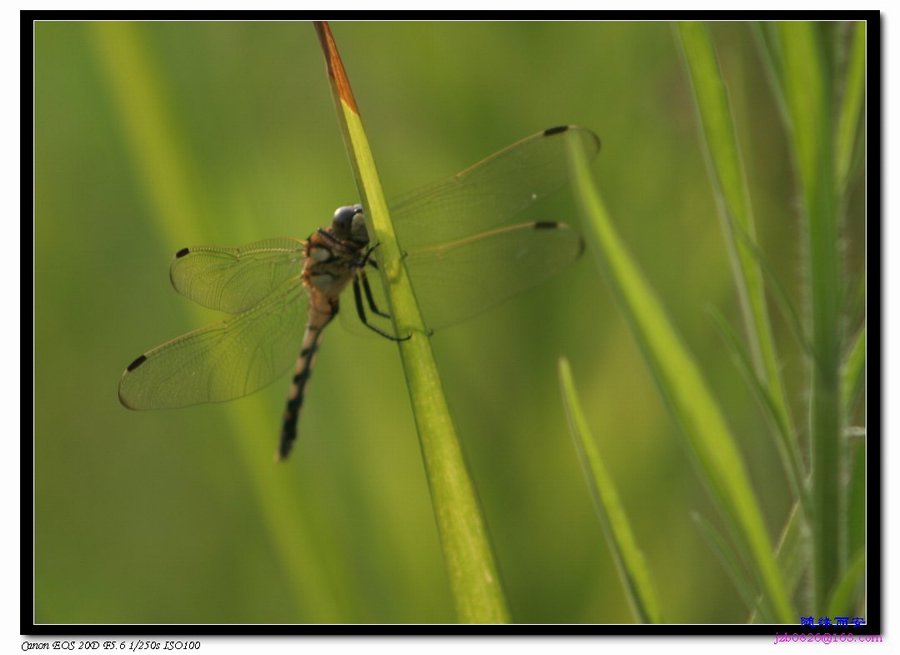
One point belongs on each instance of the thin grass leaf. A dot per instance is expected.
(793, 550)
(743, 582)
(856, 297)
(791, 554)
(474, 581)
(855, 372)
(726, 168)
(807, 87)
(163, 172)
(765, 36)
(851, 106)
(685, 391)
(856, 497)
(843, 601)
(788, 449)
(629, 559)
(786, 305)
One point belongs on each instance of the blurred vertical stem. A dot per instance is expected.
(808, 94)
(474, 580)
(726, 168)
(148, 130)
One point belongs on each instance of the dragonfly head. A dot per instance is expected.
(349, 224)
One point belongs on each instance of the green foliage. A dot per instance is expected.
(730, 187)
(681, 383)
(833, 509)
(803, 76)
(155, 136)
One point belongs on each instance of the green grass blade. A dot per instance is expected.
(851, 106)
(855, 372)
(163, 171)
(788, 450)
(843, 601)
(685, 391)
(743, 582)
(723, 155)
(792, 554)
(782, 298)
(474, 581)
(807, 87)
(765, 36)
(629, 559)
(856, 497)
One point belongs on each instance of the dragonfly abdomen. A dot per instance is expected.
(318, 319)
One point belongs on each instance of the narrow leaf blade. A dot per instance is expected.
(685, 391)
(629, 559)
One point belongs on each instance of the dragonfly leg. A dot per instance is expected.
(370, 299)
(371, 262)
(361, 312)
(365, 259)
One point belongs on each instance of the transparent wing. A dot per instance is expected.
(457, 280)
(223, 361)
(488, 194)
(233, 280)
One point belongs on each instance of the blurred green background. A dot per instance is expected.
(181, 516)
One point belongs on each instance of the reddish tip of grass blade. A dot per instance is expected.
(335, 66)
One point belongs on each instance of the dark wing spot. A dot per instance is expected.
(133, 365)
(555, 130)
(580, 247)
(182, 253)
(546, 225)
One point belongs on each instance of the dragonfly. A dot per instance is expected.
(462, 248)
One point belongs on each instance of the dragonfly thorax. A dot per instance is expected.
(349, 224)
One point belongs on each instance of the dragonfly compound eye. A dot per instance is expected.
(343, 222)
(358, 231)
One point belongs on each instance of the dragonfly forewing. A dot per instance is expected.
(233, 280)
(487, 195)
